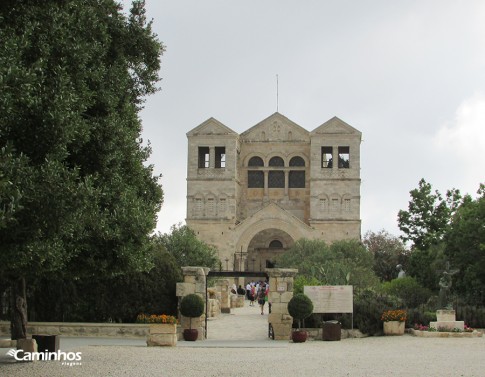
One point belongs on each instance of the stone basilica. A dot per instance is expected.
(252, 195)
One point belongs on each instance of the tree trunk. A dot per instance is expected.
(18, 320)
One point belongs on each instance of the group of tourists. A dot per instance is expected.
(259, 292)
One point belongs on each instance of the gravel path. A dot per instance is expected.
(252, 354)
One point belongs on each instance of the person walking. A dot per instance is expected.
(262, 297)
(252, 295)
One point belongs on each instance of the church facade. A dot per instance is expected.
(252, 195)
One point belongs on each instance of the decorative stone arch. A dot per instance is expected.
(276, 241)
(250, 156)
(276, 154)
(299, 154)
(253, 229)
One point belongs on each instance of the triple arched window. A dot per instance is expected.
(277, 173)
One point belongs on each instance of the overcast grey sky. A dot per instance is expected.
(410, 75)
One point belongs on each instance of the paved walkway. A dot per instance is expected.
(245, 323)
(243, 328)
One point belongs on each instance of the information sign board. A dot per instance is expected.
(331, 298)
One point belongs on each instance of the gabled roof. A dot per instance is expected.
(276, 127)
(273, 211)
(335, 126)
(211, 127)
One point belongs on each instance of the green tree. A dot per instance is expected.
(428, 215)
(73, 77)
(187, 249)
(388, 252)
(465, 248)
(426, 265)
(342, 263)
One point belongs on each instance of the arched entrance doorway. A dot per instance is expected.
(265, 247)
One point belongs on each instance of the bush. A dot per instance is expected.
(59, 298)
(192, 306)
(300, 307)
(408, 290)
(472, 315)
(368, 308)
(420, 316)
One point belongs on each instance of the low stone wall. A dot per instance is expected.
(116, 330)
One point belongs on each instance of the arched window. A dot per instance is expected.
(297, 161)
(276, 161)
(255, 161)
(275, 244)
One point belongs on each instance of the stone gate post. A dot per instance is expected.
(194, 282)
(280, 293)
(222, 286)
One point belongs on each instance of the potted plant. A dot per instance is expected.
(191, 306)
(300, 307)
(162, 329)
(394, 321)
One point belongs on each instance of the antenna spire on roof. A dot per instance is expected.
(277, 94)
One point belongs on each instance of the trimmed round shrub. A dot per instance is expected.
(300, 307)
(192, 306)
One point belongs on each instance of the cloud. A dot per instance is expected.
(462, 141)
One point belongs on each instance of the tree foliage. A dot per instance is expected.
(187, 249)
(117, 299)
(428, 215)
(192, 306)
(426, 265)
(388, 252)
(10, 194)
(408, 290)
(73, 77)
(342, 263)
(465, 247)
(76, 193)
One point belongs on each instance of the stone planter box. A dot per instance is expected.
(394, 328)
(162, 334)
